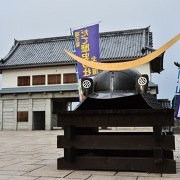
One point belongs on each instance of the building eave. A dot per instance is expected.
(36, 66)
(39, 89)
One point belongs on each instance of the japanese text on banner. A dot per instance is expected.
(87, 46)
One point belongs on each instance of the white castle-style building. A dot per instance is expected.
(39, 78)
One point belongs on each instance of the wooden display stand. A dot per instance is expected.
(87, 148)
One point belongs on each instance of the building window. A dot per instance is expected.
(54, 79)
(38, 80)
(69, 78)
(22, 116)
(24, 81)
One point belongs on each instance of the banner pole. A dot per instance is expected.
(73, 49)
(75, 65)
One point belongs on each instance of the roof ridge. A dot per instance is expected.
(130, 31)
(65, 38)
(41, 40)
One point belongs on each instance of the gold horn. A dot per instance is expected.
(129, 64)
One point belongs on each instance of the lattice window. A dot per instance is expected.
(54, 79)
(38, 80)
(69, 78)
(23, 81)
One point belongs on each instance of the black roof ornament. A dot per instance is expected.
(15, 41)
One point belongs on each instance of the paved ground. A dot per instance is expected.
(30, 155)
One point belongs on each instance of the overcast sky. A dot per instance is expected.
(30, 19)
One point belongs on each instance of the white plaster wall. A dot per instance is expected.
(30, 115)
(39, 104)
(22, 126)
(23, 105)
(9, 77)
(8, 115)
(1, 114)
(144, 69)
(10, 104)
(48, 115)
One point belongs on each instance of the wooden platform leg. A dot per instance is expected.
(69, 131)
(158, 155)
(157, 130)
(69, 154)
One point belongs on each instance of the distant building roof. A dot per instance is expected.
(114, 46)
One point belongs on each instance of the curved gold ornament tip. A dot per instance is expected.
(126, 65)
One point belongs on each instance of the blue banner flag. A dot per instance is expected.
(87, 46)
(177, 107)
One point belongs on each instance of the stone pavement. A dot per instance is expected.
(30, 155)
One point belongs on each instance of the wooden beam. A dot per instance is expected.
(116, 142)
(121, 118)
(118, 163)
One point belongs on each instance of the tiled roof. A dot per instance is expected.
(120, 45)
